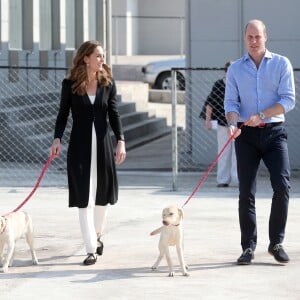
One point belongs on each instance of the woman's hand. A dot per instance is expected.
(55, 148)
(120, 152)
(208, 124)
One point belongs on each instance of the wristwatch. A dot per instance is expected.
(261, 115)
(232, 124)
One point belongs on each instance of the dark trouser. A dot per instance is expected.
(270, 145)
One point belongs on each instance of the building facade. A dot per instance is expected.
(215, 29)
(46, 32)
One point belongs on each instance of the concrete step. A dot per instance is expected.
(15, 101)
(135, 134)
(25, 112)
(31, 120)
(45, 124)
(34, 147)
(144, 128)
(133, 117)
(27, 123)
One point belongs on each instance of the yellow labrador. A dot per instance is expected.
(12, 228)
(171, 234)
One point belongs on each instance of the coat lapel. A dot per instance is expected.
(86, 99)
(99, 95)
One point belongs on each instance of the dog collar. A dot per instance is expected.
(4, 222)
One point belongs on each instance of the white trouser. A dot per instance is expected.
(92, 219)
(226, 169)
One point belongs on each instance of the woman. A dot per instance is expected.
(89, 92)
(226, 168)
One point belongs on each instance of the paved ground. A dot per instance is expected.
(123, 272)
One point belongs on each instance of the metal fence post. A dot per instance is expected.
(174, 132)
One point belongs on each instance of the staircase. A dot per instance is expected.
(27, 125)
(139, 127)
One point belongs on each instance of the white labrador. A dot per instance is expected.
(171, 234)
(13, 227)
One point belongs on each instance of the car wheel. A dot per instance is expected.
(164, 81)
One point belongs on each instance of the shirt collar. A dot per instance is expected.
(268, 54)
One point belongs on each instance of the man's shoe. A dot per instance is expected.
(90, 260)
(246, 257)
(279, 254)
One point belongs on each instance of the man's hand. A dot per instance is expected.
(233, 132)
(253, 121)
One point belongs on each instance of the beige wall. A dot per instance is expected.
(215, 29)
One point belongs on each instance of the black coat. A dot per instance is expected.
(103, 112)
(215, 99)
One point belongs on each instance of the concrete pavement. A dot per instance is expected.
(124, 271)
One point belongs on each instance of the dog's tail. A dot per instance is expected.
(156, 231)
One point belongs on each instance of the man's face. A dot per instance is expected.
(255, 39)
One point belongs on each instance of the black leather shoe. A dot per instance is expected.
(279, 254)
(91, 259)
(100, 246)
(246, 257)
(222, 185)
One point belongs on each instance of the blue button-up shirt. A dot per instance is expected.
(250, 90)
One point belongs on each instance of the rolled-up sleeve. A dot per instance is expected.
(286, 89)
(231, 100)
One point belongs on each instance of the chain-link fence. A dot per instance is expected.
(29, 99)
(194, 146)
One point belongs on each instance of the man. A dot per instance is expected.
(260, 90)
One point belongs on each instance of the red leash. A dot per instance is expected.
(209, 169)
(47, 164)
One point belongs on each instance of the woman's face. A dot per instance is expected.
(95, 60)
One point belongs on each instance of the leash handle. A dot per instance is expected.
(47, 164)
(204, 177)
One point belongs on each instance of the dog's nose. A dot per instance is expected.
(165, 223)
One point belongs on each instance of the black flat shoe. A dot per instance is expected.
(100, 247)
(91, 259)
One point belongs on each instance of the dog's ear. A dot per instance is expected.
(180, 211)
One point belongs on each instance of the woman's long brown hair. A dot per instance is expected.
(78, 72)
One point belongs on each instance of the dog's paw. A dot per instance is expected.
(35, 262)
(185, 274)
(171, 274)
(153, 268)
(4, 270)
